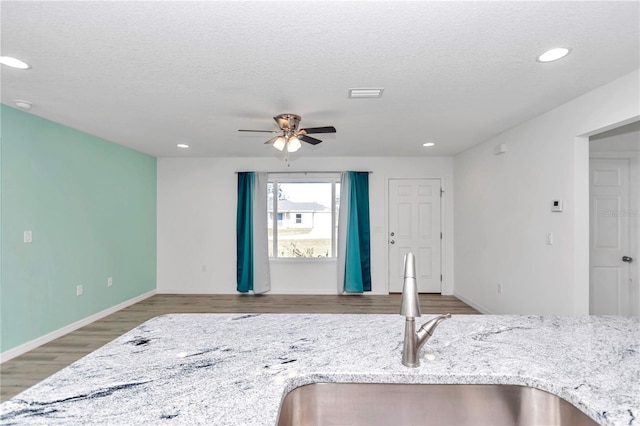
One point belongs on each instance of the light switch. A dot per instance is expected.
(28, 236)
(550, 238)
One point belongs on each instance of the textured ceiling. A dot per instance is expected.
(149, 75)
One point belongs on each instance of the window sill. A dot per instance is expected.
(303, 260)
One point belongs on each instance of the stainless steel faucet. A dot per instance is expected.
(410, 308)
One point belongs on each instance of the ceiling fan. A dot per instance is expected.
(291, 135)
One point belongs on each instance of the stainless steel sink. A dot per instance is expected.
(419, 404)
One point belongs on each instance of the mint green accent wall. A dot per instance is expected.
(91, 205)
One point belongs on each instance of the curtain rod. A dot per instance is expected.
(299, 173)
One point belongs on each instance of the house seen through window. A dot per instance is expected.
(302, 216)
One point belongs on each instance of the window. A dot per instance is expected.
(303, 219)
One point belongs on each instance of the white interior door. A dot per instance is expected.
(414, 226)
(609, 280)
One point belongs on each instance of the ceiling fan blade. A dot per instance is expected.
(309, 139)
(261, 131)
(311, 130)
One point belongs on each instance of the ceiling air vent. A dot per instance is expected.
(370, 92)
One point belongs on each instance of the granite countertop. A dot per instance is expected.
(234, 369)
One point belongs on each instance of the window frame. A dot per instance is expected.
(304, 177)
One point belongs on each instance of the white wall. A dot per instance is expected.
(503, 215)
(197, 216)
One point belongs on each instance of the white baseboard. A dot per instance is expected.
(316, 292)
(26, 347)
(474, 305)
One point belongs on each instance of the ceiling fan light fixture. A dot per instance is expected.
(294, 144)
(279, 143)
(288, 140)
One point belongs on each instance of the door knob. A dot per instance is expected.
(392, 242)
(627, 259)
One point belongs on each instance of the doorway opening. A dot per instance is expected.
(614, 216)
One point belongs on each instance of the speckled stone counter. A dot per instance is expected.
(234, 369)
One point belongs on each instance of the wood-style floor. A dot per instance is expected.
(28, 369)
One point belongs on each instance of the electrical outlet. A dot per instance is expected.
(28, 236)
(79, 290)
(499, 288)
(109, 281)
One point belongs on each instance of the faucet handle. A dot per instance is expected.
(431, 325)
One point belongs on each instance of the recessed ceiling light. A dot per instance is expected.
(13, 62)
(23, 105)
(554, 54)
(371, 92)
(182, 145)
(428, 144)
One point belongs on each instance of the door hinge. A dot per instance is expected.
(440, 277)
(441, 235)
(441, 192)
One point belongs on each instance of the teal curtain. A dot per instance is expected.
(357, 247)
(252, 273)
(244, 231)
